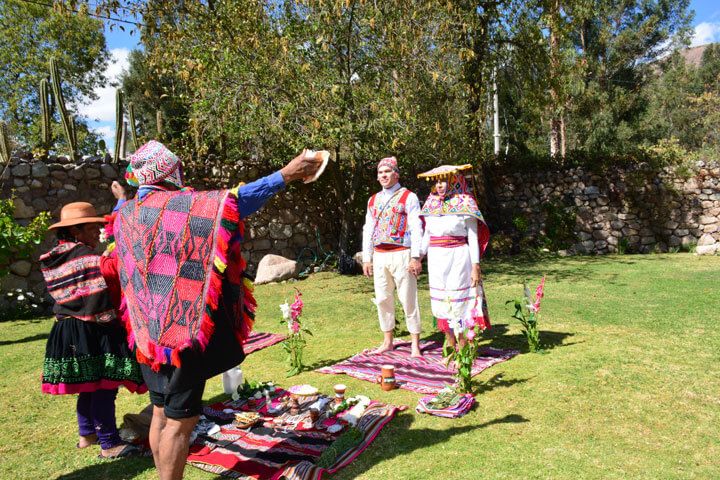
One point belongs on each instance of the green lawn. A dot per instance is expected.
(628, 388)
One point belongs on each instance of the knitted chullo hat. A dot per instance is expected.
(389, 162)
(153, 163)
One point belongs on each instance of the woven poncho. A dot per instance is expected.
(178, 259)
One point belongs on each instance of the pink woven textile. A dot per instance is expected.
(425, 375)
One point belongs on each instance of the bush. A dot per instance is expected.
(18, 242)
(501, 244)
(17, 304)
(559, 226)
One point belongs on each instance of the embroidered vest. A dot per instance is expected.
(390, 218)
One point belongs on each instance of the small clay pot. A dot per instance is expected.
(386, 379)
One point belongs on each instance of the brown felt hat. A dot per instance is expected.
(77, 213)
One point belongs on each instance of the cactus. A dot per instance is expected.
(131, 119)
(67, 120)
(159, 121)
(45, 110)
(4, 144)
(118, 123)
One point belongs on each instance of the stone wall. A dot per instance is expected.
(285, 226)
(643, 209)
(46, 186)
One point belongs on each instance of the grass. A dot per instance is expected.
(627, 388)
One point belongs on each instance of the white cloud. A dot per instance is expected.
(106, 131)
(103, 109)
(706, 32)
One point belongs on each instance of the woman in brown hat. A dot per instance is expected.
(87, 352)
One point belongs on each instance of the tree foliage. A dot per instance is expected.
(31, 33)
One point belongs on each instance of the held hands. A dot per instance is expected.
(475, 275)
(415, 267)
(367, 269)
(301, 167)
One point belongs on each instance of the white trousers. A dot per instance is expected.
(390, 273)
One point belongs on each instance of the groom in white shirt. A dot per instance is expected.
(391, 253)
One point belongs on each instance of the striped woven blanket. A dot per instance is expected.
(425, 375)
(259, 340)
(265, 452)
(463, 406)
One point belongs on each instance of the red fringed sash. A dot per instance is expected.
(175, 251)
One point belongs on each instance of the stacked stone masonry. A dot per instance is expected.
(285, 226)
(646, 210)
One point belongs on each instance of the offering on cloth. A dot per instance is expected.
(339, 392)
(246, 419)
(303, 390)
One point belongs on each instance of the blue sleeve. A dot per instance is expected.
(119, 204)
(252, 196)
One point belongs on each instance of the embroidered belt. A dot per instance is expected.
(386, 247)
(448, 241)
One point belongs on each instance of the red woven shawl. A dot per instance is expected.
(175, 250)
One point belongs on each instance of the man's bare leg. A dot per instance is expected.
(156, 426)
(173, 447)
(387, 344)
(415, 342)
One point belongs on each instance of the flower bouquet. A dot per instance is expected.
(295, 342)
(527, 312)
(466, 335)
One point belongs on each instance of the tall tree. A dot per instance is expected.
(31, 33)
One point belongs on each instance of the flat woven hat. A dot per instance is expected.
(77, 213)
(444, 171)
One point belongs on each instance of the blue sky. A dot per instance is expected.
(101, 112)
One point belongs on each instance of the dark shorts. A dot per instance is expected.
(178, 401)
(179, 405)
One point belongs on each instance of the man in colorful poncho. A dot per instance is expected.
(188, 305)
(391, 252)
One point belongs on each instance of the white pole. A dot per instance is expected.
(496, 115)
(122, 139)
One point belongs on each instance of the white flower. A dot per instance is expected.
(532, 308)
(285, 309)
(21, 297)
(34, 305)
(455, 324)
(235, 396)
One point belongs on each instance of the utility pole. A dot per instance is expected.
(496, 114)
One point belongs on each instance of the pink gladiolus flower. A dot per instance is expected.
(295, 327)
(470, 334)
(539, 292)
(297, 306)
(470, 322)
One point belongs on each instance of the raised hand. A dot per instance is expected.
(301, 167)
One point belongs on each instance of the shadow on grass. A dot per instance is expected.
(561, 268)
(497, 381)
(121, 469)
(34, 338)
(500, 339)
(404, 440)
